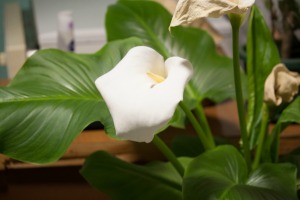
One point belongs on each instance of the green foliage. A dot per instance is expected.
(262, 56)
(122, 180)
(222, 174)
(289, 115)
(149, 21)
(52, 99)
(294, 158)
(189, 146)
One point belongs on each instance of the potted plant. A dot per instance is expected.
(146, 79)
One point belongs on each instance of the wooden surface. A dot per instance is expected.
(4, 82)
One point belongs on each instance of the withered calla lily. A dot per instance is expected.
(142, 92)
(281, 85)
(187, 11)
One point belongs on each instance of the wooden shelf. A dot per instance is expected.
(4, 82)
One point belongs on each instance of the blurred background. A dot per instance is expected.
(28, 25)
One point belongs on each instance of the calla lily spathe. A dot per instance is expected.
(142, 92)
(281, 85)
(187, 11)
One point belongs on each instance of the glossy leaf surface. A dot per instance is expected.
(289, 115)
(222, 174)
(213, 76)
(52, 99)
(262, 56)
(122, 180)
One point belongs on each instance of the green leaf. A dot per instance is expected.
(213, 73)
(273, 181)
(52, 99)
(178, 120)
(222, 174)
(291, 114)
(213, 76)
(122, 180)
(187, 145)
(130, 18)
(294, 158)
(262, 56)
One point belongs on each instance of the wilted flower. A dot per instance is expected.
(281, 85)
(142, 92)
(188, 11)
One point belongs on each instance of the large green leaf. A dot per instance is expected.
(52, 99)
(122, 180)
(213, 76)
(262, 56)
(222, 174)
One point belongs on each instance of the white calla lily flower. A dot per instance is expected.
(142, 92)
(187, 11)
(281, 85)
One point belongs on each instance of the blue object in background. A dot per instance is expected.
(3, 72)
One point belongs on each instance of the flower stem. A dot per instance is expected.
(261, 137)
(203, 138)
(200, 114)
(235, 24)
(159, 143)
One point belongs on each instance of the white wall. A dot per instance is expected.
(88, 15)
